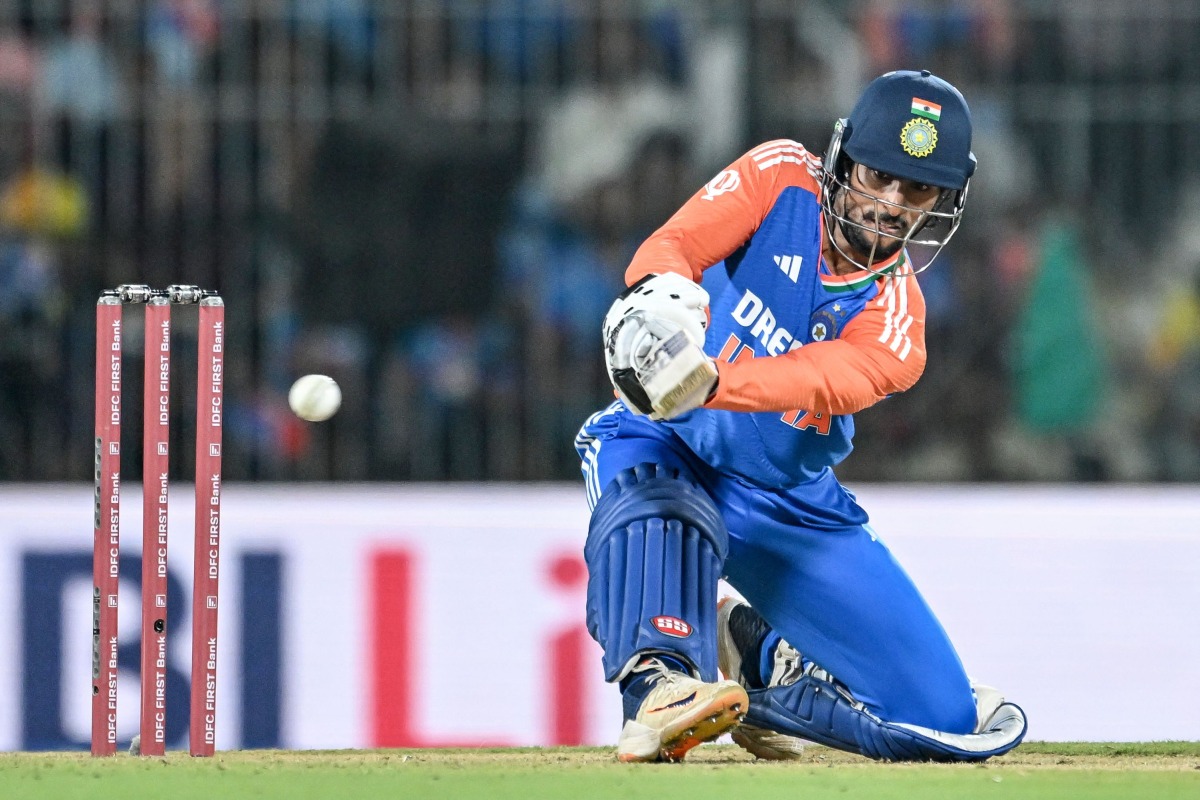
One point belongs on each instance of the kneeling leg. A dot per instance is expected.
(818, 708)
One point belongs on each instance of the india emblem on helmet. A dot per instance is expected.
(918, 137)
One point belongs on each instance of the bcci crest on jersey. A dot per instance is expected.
(823, 325)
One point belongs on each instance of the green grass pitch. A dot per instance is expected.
(1062, 771)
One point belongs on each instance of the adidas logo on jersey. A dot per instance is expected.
(790, 266)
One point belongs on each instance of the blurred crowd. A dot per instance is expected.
(434, 202)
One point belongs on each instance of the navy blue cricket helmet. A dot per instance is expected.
(911, 125)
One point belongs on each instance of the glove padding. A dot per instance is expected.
(653, 346)
(668, 296)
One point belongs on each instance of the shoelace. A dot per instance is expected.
(655, 665)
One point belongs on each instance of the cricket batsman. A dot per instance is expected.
(780, 300)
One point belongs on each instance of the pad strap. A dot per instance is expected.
(654, 552)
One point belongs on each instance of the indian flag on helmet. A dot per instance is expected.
(924, 108)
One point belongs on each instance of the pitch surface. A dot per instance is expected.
(1035, 770)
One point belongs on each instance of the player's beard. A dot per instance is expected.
(865, 241)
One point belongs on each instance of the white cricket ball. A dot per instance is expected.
(315, 397)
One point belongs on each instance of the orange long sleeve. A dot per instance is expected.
(719, 218)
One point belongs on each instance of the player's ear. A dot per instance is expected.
(932, 222)
(835, 155)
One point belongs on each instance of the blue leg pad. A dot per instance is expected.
(823, 711)
(654, 552)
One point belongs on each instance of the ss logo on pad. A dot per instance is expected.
(672, 626)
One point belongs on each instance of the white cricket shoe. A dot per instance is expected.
(767, 744)
(679, 713)
(739, 634)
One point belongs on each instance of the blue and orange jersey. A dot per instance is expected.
(799, 350)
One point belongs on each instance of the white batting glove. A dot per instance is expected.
(667, 296)
(675, 372)
(653, 337)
